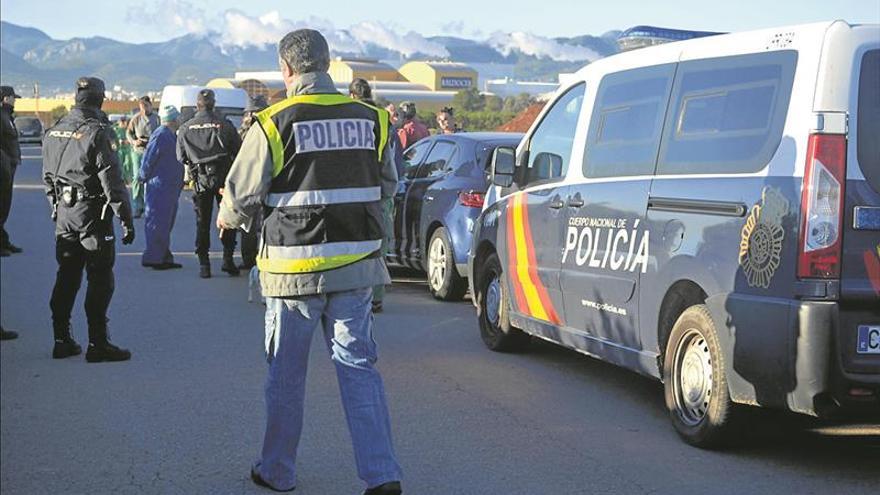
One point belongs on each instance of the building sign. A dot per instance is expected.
(456, 82)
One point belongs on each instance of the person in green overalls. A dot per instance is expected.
(123, 149)
(140, 128)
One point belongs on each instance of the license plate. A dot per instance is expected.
(869, 339)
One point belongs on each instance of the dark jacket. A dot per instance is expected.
(208, 144)
(10, 151)
(80, 152)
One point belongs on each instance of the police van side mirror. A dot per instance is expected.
(503, 166)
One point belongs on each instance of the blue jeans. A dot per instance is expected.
(347, 322)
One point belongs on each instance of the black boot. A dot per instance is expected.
(7, 334)
(100, 348)
(106, 352)
(229, 265)
(204, 266)
(65, 346)
(390, 488)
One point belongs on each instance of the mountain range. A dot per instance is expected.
(28, 55)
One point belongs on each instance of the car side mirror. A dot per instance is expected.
(546, 166)
(503, 166)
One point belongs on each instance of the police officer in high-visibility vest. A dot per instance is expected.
(85, 189)
(207, 145)
(318, 163)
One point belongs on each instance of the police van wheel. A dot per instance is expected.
(695, 383)
(443, 279)
(494, 310)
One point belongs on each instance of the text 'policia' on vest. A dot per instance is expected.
(323, 210)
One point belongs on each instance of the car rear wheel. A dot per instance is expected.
(494, 310)
(695, 382)
(443, 279)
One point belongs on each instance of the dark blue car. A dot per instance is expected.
(438, 199)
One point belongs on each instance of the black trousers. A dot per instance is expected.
(7, 177)
(250, 242)
(203, 202)
(72, 258)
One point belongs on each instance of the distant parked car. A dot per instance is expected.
(30, 130)
(438, 200)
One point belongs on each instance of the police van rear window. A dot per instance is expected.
(727, 114)
(627, 122)
(869, 118)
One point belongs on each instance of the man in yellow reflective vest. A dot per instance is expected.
(318, 164)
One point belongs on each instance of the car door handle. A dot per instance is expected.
(575, 202)
(429, 198)
(555, 203)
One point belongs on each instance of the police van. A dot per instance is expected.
(706, 213)
(229, 102)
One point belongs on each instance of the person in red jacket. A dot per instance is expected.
(411, 130)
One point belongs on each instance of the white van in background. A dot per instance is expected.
(231, 102)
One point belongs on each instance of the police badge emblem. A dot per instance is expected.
(760, 246)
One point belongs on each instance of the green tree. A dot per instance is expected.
(482, 121)
(57, 113)
(493, 103)
(468, 100)
(523, 100)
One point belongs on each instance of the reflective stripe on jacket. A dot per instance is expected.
(324, 203)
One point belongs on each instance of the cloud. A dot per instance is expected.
(379, 34)
(540, 46)
(242, 30)
(453, 27)
(235, 28)
(170, 17)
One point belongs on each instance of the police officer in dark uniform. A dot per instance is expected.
(207, 144)
(10, 158)
(85, 188)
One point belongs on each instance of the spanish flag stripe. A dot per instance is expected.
(519, 296)
(522, 262)
(546, 302)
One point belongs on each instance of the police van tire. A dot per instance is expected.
(444, 282)
(695, 383)
(495, 328)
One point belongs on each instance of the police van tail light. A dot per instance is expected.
(822, 207)
(471, 199)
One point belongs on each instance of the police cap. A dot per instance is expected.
(91, 85)
(408, 109)
(206, 97)
(7, 91)
(256, 103)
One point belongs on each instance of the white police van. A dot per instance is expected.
(230, 102)
(704, 212)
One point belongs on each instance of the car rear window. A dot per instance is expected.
(869, 118)
(727, 114)
(28, 124)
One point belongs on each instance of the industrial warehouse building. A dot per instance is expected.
(440, 76)
(431, 85)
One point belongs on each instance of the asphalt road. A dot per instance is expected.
(185, 415)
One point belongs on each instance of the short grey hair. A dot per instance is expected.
(305, 50)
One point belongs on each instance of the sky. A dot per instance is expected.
(247, 22)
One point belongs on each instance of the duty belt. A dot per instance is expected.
(79, 194)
